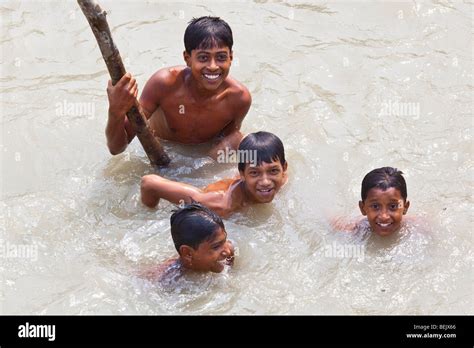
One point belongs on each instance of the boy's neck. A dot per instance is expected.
(182, 264)
(246, 198)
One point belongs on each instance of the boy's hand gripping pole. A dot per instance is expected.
(98, 23)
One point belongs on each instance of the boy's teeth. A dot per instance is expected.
(384, 225)
(211, 77)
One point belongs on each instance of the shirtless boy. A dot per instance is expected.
(191, 104)
(258, 182)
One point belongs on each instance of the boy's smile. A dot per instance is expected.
(262, 182)
(209, 67)
(384, 210)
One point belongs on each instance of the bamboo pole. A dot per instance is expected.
(98, 23)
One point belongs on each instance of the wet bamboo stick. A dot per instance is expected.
(98, 23)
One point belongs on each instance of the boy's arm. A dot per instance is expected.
(231, 136)
(345, 224)
(153, 187)
(155, 88)
(122, 97)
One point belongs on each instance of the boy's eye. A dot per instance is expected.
(253, 173)
(394, 206)
(275, 171)
(217, 246)
(202, 58)
(374, 206)
(222, 57)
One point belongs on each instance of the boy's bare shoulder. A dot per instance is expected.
(167, 78)
(219, 196)
(221, 185)
(158, 273)
(237, 92)
(345, 224)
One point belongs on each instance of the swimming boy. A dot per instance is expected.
(200, 239)
(384, 201)
(190, 104)
(258, 182)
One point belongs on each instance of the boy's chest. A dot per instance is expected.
(193, 122)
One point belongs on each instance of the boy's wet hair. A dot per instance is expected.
(267, 145)
(193, 224)
(384, 178)
(207, 32)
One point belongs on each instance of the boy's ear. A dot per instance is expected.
(406, 206)
(285, 166)
(231, 55)
(187, 58)
(362, 209)
(186, 253)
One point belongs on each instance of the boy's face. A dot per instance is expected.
(262, 182)
(209, 67)
(213, 254)
(384, 210)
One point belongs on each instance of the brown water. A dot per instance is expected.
(348, 86)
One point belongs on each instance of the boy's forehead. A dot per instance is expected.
(391, 193)
(263, 165)
(212, 49)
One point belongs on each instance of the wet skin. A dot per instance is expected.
(384, 210)
(194, 104)
(262, 182)
(210, 256)
(257, 184)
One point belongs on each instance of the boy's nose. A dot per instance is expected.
(213, 65)
(227, 251)
(265, 180)
(384, 215)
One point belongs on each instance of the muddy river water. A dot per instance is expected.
(347, 85)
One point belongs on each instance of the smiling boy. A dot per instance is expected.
(383, 203)
(257, 182)
(200, 239)
(384, 200)
(191, 104)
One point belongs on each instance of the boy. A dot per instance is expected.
(258, 181)
(384, 202)
(190, 104)
(200, 239)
